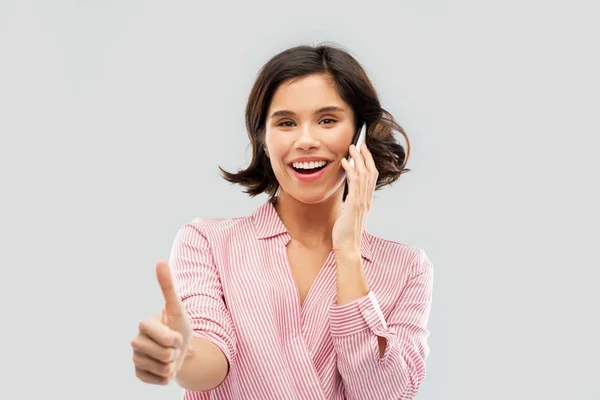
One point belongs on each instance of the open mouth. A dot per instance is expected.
(307, 168)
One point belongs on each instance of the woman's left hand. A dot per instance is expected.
(361, 179)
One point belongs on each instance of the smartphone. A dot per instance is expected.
(359, 139)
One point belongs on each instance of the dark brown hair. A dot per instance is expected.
(352, 85)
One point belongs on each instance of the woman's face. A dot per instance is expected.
(308, 131)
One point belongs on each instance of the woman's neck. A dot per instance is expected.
(309, 224)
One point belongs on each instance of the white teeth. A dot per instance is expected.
(309, 165)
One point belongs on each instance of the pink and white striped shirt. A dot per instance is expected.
(234, 279)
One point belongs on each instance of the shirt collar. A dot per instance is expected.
(268, 225)
(267, 221)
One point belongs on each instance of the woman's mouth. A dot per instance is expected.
(309, 171)
(308, 167)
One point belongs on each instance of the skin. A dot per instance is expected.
(314, 214)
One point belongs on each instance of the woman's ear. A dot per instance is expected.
(266, 151)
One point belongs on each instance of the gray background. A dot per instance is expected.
(115, 114)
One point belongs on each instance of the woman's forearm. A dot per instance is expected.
(351, 279)
(204, 368)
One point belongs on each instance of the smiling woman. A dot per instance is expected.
(298, 300)
(324, 88)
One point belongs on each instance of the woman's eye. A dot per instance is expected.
(290, 123)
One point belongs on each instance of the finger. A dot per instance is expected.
(145, 363)
(371, 168)
(359, 161)
(362, 173)
(149, 377)
(144, 345)
(160, 333)
(369, 161)
(173, 304)
(351, 179)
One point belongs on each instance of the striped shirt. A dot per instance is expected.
(234, 278)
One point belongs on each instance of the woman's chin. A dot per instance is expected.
(311, 199)
(313, 196)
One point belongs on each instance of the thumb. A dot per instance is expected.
(173, 305)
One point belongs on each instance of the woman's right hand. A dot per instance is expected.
(160, 347)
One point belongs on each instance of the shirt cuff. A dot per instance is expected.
(356, 316)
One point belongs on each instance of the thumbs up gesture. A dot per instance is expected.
(160, 347)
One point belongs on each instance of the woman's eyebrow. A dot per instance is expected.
(284, 113)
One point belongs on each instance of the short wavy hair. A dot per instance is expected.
(352, 85)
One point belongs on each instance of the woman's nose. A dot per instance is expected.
(307, 137)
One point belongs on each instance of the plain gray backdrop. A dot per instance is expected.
(114, 116)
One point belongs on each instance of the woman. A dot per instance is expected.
(297, 300)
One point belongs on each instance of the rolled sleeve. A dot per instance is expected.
(199, 287)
